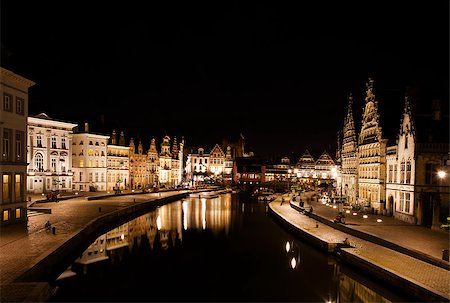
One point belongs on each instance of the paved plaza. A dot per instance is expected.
(431, 277)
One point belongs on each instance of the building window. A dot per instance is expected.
(406, 140)
(90, 177)
(90, 152)
(6, 144)
(81, 163)
(402, 172)
(18, 213)
(408, 172)
(53, 142)
(18, 187)
(81, 176)
(19, 106)
(391, 171)
(5, 215)
(96, 177)
(430, 173)
(90, 163)
(407, 202)
(39, 162)
(19, 145)
(81, 142)
(39, 141)
(6, 188)
(63, 143)
(53, 164)
(7, 102)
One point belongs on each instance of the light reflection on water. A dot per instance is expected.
(233, 249)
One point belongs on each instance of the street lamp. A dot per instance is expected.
(441, 174)
(289, 180)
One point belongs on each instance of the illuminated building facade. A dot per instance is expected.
(153, 165)
(371, 155)
(138, 166)
(89, 161)
(49, 154)
(306, 166)
(417, 187)
(118, 159)
(349, 158)
(325, 167)
(216, 162)
(13, 132)
(197, 166)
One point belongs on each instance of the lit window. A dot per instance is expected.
(18, 213)
(18, 187)
(6, 215)
(6, 188)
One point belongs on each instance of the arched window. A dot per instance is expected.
(39, 162)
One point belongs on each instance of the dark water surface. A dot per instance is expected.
(221, 249)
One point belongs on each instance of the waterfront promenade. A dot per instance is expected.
(409, 274)
(23, 248)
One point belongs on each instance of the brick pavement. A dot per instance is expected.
(414, 271)
(23, 246)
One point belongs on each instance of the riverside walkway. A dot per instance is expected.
(410, 274)
(22, 247)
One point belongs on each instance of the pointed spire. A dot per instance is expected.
(370, 96)
(114, 137)
(122, 138)
(140, 148)
(175, 148)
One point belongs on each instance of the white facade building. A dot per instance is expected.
(49, 154)
(89, 162)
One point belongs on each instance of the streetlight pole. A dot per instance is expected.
(289, 181)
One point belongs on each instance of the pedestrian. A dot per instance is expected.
(282, 200)
(311, 210)
(48, 225)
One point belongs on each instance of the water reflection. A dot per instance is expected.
(233, 248)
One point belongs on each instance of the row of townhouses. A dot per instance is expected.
(407, 177)
(42, 154)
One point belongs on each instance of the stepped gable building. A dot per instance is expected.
(171, 163)
(138, 166)
(49, 154)
(228, 167)
(118, 163)
(417, 186)
(153, 165)
(13, 132)
(371, 155)
(177, 168)
(89, 160)
(216, 162)
(349, 156)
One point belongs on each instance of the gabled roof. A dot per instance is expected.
(325, 159)
(306, 159)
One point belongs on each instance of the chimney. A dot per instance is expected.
(86, 127)
(436, 110)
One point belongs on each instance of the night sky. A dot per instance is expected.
(277, 72)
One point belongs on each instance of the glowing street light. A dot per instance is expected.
(441, 174)
(288, 246)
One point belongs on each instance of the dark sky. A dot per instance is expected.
(276, 71)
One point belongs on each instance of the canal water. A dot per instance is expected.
(223, 249)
